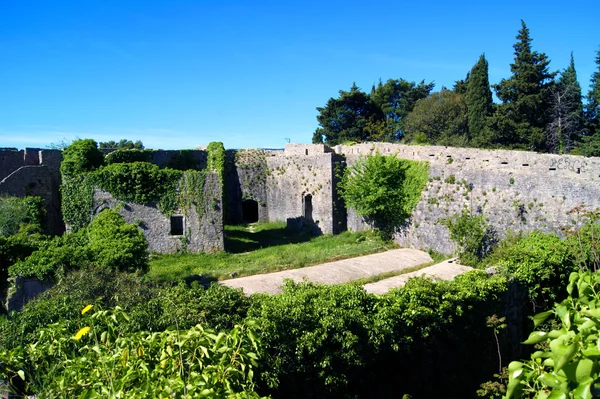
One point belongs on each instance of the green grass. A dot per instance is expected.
(264, 248)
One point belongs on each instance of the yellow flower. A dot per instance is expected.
(87, 309)
(81, 333)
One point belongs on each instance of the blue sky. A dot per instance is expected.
(179, 74)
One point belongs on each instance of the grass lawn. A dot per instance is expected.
(263, 248)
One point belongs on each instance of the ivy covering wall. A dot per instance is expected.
(128, 176)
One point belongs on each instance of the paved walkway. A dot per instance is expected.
(446, 270)
(341, 271)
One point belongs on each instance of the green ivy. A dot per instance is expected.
(216, 162)
(139, 182)
(81, 156)
(77, 197)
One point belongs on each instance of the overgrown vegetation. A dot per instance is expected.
(18, 212)
(128, 176)
(101, 360)
(108, 241)
(384, 189)
(474, 236)
(318, 341)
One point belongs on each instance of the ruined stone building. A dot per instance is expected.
(515, 190)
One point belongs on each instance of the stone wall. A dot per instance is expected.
(201, 234)
(301, 185)
(518, 191)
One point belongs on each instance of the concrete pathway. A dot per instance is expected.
(341, 271)
(446, 270)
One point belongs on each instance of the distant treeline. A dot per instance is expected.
(539, 110)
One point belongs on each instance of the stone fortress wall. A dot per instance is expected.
(515, 190)
(35, 172)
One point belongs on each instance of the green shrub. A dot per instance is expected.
(99, 359)
(117, 244)
(16, 212)
(542, 262)
(337, 341)
(54, 257)
(384, 189)
(474, 236)
(81, 156)
(109, 241)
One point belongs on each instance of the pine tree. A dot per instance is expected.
(566, 112)
(521, 119)
(479, 103)
(591, 140)
(592, 108)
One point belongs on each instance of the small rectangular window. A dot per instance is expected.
(177, 225)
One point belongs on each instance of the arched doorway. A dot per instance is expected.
(250, 211)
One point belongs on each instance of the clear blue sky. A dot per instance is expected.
(179, 74)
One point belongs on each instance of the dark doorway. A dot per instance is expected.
(308, 208)
(177, 225)
(250, 211)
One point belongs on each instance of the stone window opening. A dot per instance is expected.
(177, 225)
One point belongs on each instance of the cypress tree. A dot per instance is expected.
(479, 103)
(521, 119)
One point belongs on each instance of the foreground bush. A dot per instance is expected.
(566, 362)
(100, 360)
(151, 307)
(338, 341)
(109, 241)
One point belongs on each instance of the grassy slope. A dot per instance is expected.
(266, 248)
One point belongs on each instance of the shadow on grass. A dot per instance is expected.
(239, 239)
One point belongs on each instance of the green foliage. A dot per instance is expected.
(439, 119)
(520, 120)
(100, 359)
(478, 98)
(474, 236)
(151, 307)
(541, 262)
(81, 156)
(123, 144)
(384, 189)
(216, 162)
(77, 200)
(396, 98)
(128, 156)
(566, 108)
(346, 118)
(183, 160)
(116, 244)
(592, 106)
(17, 212)
(108, 241)
(566, 362)
(338, 341)
(139, 182)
